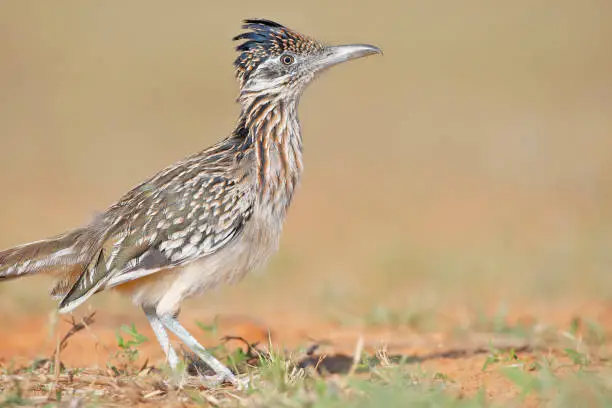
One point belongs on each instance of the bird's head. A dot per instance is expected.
(275, 59)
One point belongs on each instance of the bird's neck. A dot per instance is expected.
(275, 136)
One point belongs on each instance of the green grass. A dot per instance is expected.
(570, 372)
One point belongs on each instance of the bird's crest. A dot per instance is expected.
(264, 39)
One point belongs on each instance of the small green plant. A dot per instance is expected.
(442, 377)
(129, 347)
(589, 330)
(274, 367)
(212, 328)
(500, 356)
(526, 382)
(561, 388)
(237, 359)
(578, 358)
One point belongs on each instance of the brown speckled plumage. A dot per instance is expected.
(208, 219)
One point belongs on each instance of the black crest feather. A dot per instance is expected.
(266, 38)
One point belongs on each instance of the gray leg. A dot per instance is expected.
(223, 373)
(162, 337)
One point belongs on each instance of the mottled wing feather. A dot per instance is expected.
(94, 276)
(193, 223)
(191, 216)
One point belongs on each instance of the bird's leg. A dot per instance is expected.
(162, 336)
(223, 373)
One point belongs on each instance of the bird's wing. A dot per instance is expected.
(160, 226)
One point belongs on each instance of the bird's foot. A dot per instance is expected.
(214, 381)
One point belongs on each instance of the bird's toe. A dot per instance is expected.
(214, 381)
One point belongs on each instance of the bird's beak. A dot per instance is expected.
(342, 53)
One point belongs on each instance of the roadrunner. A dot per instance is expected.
(208, 219)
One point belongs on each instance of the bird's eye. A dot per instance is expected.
(287, 59)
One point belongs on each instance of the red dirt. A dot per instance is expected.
(459, 358)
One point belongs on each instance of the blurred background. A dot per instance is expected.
(468, 171)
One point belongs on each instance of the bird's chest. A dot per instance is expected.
(262, 236)
(250, 251)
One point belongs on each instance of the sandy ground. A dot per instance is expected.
(451, 353)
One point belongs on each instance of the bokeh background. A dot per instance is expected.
(467, 172)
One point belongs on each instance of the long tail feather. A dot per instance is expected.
(39, 256)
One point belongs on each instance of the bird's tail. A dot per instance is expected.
(39, 256)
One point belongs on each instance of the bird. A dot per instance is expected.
(208, 219)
